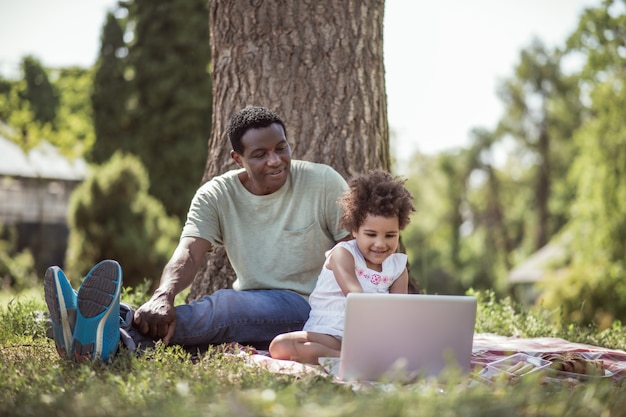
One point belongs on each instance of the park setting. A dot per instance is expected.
(526, 214)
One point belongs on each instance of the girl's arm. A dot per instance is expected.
(341, 262)
(401, 285)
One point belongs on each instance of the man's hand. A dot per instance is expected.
(157, 318)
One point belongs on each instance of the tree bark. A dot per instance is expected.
(319, 64)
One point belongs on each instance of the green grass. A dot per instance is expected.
(34, 381)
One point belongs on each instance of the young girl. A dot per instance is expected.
(375, 208)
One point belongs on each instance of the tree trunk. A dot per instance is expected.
(319, 64)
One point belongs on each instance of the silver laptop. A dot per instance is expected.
(390, 337)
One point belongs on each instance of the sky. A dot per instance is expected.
(443, 59)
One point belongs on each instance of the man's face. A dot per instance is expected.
(266, 159)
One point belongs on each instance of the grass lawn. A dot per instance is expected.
(34, 381)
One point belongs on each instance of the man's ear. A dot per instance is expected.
(236, 157)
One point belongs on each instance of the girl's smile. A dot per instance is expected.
(377, 238)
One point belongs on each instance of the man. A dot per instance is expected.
(274, 216)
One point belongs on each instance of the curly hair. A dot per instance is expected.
(250, 117)
(376, 193)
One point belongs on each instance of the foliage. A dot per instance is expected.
(542, 110)
(74, 132)
(453, 241)
(66, 122)
(169, 381)
(481, 210)
(111, 94)
(170, 110)
(143, 99)
(592, 290)
(555, 164)
(17, 269)
(112, 216)
(482, 213)
(506, 317)
(21, 321)
(17, 118)
(430, 235)
(39, 92)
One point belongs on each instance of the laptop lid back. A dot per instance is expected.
(402, 336)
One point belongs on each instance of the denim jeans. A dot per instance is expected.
(251, 317)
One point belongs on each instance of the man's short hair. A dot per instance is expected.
(250, 117)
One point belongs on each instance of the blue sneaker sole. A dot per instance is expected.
(97, 331)
(60, 297)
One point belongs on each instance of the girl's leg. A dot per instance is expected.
(306, 347)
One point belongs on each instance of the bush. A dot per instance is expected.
(17, 269)
(508, 318)
(112, 216)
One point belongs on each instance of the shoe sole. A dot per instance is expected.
(57, 307)
(97, 297)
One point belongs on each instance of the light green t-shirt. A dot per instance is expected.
(274, 241)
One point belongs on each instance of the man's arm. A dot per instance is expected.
(157, 317)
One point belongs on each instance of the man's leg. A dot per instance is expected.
(251, 317)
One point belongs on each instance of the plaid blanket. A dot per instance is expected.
(490, 347)
(486, 348)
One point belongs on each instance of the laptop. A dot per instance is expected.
(391, 337)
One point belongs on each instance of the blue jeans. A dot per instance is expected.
(251, 317)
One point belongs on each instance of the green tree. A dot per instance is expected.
(67, 123)
(432, 236)
(17, 268)
(112, 216)
(5, 88)
(39, 92)
(488, 234)
(111, 94)
(485, 211)
(592, 290)
(74, 132)
(542, 112)
(459, 238)
(172, 120)
(25, 122)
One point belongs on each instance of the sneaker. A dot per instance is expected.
(61, 300)
(97, 331)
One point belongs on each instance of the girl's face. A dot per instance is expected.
(377, 238)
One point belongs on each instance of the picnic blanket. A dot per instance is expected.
(486, 348)
(490, 347)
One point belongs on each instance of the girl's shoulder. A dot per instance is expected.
(350, 246)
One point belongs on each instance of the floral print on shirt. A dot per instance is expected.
(374, 278)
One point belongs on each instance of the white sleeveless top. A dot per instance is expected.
(327, 301)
